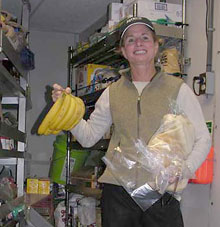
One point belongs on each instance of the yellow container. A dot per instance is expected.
(32, 186)
(44, 186)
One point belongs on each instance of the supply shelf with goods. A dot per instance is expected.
(85, 180)
(105, 50)
(15, 101)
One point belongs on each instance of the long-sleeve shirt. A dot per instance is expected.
(91, 131)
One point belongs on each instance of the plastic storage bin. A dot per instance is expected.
(58, 164)
(204, 175)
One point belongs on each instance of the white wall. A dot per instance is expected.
(51, 56)
(215, 189)
(200, 203)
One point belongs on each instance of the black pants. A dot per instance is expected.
(120, 210)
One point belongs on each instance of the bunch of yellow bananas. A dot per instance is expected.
(65, 113)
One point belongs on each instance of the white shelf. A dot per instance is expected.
(10, 100)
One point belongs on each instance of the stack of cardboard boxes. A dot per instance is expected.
(152, 9)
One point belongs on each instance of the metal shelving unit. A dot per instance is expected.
(11, 154)
(14, 93)
(105, 50)
(102, 145)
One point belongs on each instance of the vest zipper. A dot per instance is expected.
(138, 132)
(138, 115)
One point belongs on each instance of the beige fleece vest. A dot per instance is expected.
(135, 116)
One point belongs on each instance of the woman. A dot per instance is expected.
(135, 105)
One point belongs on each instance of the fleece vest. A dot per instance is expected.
(135, 117)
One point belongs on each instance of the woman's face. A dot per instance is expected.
(139, 46)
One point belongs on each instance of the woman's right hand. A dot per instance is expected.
(58, 90)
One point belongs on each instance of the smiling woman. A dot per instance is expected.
(139, 45)
(140, 49)
(135, 105)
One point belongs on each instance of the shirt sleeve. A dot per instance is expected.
(89, 132)
(188, 102)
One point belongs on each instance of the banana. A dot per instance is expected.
(51, 115)
(78, 114)
(73, 115)
(66, 112)
(62, 112)
(68, 115)
(49, 131)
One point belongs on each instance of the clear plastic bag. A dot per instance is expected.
(162, 160)
(141, 192)
(173, 142)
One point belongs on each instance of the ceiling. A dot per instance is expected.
(66, 16)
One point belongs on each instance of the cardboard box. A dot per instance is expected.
(155, 10)
(88, 78)
(6, 143)
(127, 2)
(114, 11)
(112, 25)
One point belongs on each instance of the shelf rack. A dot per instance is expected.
(14, 94)
(101, 145)
(105, 51)
(12, 133)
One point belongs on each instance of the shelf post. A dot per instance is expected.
(68, 148)
(182, 68)
(21, 145)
